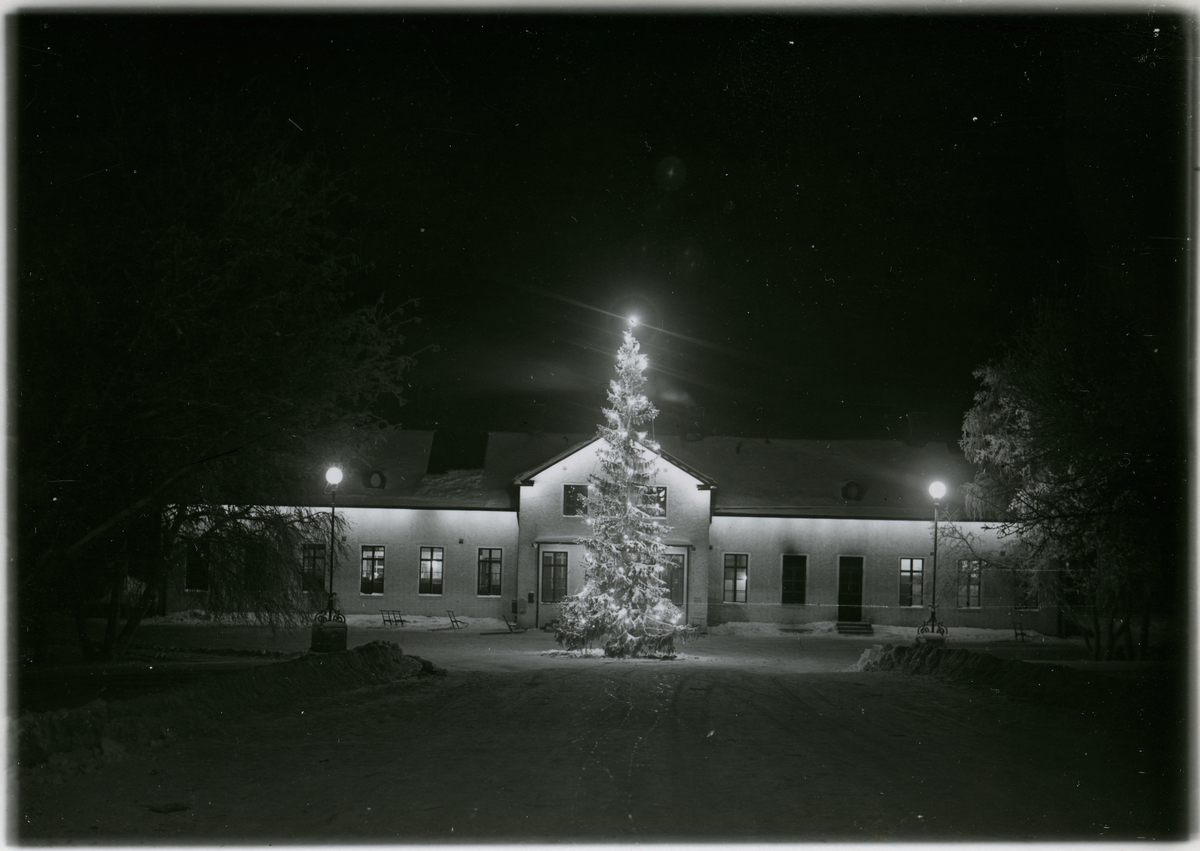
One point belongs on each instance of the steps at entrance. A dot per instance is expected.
(854, 628)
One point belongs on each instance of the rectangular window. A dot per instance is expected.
(196, 571)
(372, 571)
(575, 500)
(658, 496)
(1025, 591)
(795, 576)
(912, 575)
(312, 565)
(430, 581)
(489, 572)
(554, 577)
(736, 567)
(673, 577)
(969, 583)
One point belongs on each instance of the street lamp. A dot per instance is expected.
(932, 630)
(329, 627)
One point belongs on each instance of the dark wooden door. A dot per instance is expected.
(850, 586)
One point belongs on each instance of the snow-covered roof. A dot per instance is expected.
(750, 476)
(526, 477)
(824, 478)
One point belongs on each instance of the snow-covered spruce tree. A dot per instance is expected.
(622, 603)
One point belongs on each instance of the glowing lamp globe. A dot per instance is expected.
(632, 321)
(333, 475)
(937, 490)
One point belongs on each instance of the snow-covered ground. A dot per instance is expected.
(882, 633)
(519, 744)
(411, 622)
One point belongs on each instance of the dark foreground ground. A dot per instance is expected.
(746, 739)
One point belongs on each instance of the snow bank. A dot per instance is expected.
(197, 617)
(108, 730)
(999, 676)
(884, 632)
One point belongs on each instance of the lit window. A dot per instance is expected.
(795, 575)
(489, 572)
(970, 583)
(430, 581)
(912, 575)
(372, 570)
(736, 566)
(574, 500)
(658, 496)
(312, 564)
(554, 577)
(1026, 591)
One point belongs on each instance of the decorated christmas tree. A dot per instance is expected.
(622, 605)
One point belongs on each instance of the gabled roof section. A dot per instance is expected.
(526, 477)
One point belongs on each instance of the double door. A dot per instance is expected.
(560, 572)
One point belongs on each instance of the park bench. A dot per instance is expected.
(1019, 631)
(392, 617)
(455, 622)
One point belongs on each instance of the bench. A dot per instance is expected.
(512, 625)
(391, 617)
(455, 622)
(1019, 631)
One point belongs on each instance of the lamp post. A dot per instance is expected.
(329, 628)
(932, 630)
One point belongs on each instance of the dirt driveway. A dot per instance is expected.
(739, 739)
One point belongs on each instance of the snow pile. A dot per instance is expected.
(109, 730)
(999, 676)
(197, 617)
(885, 632)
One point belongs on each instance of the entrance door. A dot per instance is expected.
(675, 578)
(850, 585)
(552, 586)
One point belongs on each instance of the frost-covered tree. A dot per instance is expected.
(1075, 438)
(623, 603)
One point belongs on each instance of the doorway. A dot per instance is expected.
(850, 588)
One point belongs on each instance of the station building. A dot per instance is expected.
(762, 530)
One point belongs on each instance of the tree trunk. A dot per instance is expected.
(78, 611)
(1096, 648)
(149, 595)
(114, 604)
(156, 582)
(1130, 649)
(1144, 647)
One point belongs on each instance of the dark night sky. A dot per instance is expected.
(859, 211)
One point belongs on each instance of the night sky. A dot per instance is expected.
(823, 223)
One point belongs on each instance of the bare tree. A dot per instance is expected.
(189, 342)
